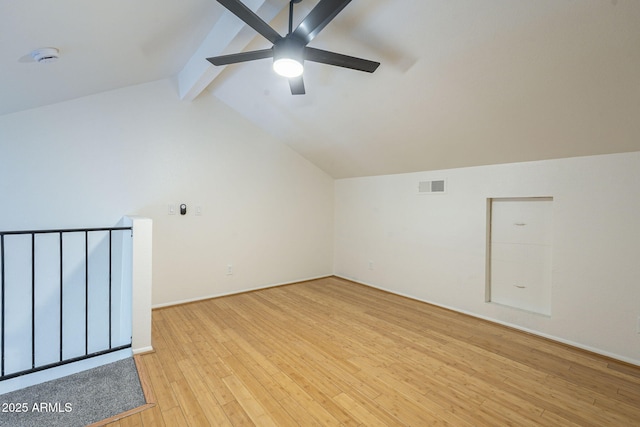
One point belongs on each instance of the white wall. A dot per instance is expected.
(133, 151)
(432, 247)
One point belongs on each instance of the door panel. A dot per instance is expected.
(520, 251)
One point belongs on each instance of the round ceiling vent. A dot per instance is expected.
(46, 55)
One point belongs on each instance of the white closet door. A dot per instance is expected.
(520, 253)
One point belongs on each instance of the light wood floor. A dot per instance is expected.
(331, 352)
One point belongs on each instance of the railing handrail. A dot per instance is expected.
(64, 230)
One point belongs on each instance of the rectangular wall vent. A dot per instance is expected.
(430, 187)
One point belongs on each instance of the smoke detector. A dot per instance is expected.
(45, 55)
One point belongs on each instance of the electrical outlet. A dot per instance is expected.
(229, 269)
(370, 265)
(172, 209)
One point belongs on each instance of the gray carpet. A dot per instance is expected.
(76, 400)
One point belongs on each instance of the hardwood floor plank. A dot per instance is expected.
(132, 421)
(188, 402)
(343, 373)
(367, 411)
(300, 414)
(159, 382)
(408, 412)
(237, 415)
(301, 397)
(249, 403)
(152, 417)
(362, 414)
(208, 404)
(264, 389)
(174, 417)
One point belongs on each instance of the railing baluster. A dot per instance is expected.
(33, 300)
(61, 294)
(86, 292)
(110, 285)
(3, 304)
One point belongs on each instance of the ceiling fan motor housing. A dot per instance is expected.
(288, 57)
(289, 47)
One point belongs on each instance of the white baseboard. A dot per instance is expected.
(143, 350)
(500, 322)
(206, 297)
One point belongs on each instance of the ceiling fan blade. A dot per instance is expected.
(297, 85)
(251, 19)
(318, 18)
(340, 60)
(241, 57)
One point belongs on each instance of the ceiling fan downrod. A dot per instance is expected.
(291, 3)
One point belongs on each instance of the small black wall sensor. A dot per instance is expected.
(183, 209)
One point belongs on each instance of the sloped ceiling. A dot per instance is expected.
(462, 82)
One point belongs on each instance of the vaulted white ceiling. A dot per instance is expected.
(462, 82)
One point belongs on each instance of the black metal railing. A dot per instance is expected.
(45, 278)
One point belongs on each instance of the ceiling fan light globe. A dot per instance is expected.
(288, 67)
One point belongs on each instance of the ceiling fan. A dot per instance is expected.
(290, 52)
